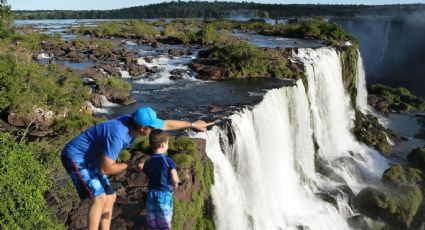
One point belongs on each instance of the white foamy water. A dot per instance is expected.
(165, 64)
(97, 110)
(106, 103)
(125, 74)
(361, 99)
(265, 168)
(43, 56)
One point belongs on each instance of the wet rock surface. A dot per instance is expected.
(368, 130)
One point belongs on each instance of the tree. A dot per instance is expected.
(5, 20)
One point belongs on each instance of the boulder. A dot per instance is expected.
(178, 74)
(96, 99)
(154, 69)
(397, 175)
(74, 56)
(110, 68)
(92, 73)
(136, 70)
(156, 45)
(207, 69)
(368, 130)
(41, 119)
(179, 51)
(129, 58)
(148, 59)
(416, 158)
(215, 109)
(114, 95)
(86, 109)
(170, 40)
(396, 206)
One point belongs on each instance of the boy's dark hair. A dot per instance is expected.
(156, 138)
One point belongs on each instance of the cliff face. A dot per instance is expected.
(192, 201)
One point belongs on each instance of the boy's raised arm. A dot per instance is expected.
(175, 178)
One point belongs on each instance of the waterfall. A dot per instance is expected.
(266, 162)
(361, 99)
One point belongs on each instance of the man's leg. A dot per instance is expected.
(95, 211)
(105, 221)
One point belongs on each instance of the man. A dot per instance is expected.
(92, 155)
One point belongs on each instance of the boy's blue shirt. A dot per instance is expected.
(108, 138)
(157, 169)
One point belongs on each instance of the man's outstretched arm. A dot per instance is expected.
(176, 124)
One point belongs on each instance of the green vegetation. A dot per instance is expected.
(316, 28)
(30, 168)
(131, 28)
(125, 155)
(398, 175)
(398, 99)
(368, 130)
(27, 85)
(114, 82)
(394, 206)
(185, 35)
(210, 35)
(244, 59)
(5, 20)
(22, 185)
(196, 210)
(219, 9)
(183, 161)
(349, 58)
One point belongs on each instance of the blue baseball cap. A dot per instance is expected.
(146, 116)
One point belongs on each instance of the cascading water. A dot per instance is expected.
(266, 163)
(361, 99)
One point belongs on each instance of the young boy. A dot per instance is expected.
(162, 177)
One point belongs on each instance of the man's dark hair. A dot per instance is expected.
(156, 138)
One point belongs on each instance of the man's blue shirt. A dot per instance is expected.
(157, 169)
(107, 138)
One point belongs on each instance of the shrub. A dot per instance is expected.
(181, 144)
(244, 59)
(396, 206)
(210, 35)
(186, 35)
(183, 161)
(114, 82)
(22, 185)
(140, 28)
(125, 155)
(316, 28)
(397, 98)
(27, 85)
(6, 29)
(74, 123)
(141, 143)
(397, 175)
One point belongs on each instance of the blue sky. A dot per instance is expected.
(116, 4)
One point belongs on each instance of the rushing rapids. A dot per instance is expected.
(272, 164)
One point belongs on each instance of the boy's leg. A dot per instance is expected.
(165, 210)
(151, 210)
(106, 218)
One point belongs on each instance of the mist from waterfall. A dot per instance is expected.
(266, 161)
